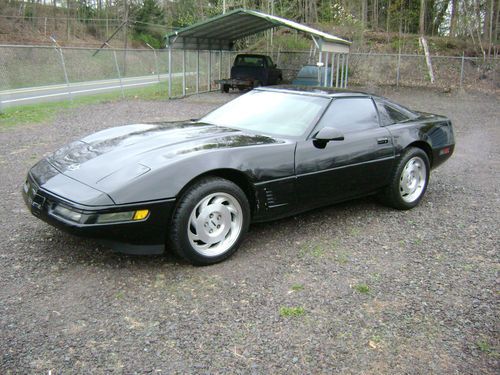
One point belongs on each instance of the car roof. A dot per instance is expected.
(250, 55)
(316, 91)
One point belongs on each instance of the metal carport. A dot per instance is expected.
(221, 32)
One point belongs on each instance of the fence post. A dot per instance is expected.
(59, 50)
(169, 71)
(118, 72)
(156, 61)
(462, 70)
(183, 72)
(397, 70)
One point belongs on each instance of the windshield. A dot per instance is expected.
(249, 61)
(270, 112)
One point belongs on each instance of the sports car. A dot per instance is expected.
(195, 186)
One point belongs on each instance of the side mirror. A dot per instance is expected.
(326, 135)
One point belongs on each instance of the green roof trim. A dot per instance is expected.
(220, 32)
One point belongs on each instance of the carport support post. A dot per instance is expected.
(342, 72)
(183, 72)
(319, 66)
(169, 72)
(197, 71)
(325, 81)
(220, 67)
(346, 70)
(337, 71)
(331, 70)
(209, 75)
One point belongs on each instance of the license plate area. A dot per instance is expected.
(37, 204)
(35, 200)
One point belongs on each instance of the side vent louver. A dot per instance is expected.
(270, 198)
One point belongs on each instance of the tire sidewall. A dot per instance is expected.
(188, 202)
(398, 201)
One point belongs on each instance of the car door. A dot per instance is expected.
(344, 169)
(272, 72)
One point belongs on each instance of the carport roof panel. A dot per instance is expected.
(220, 32)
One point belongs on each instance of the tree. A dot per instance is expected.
(146, 15)
(421, 23)
(453, 20)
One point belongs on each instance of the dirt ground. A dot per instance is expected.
(355, 288)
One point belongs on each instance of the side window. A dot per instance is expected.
(350, 115)
(389, 115)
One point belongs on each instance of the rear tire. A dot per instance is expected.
(225, 88)
(210, 221)
(409, 180)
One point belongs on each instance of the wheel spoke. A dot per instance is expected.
(413, 180)
(232, 209)
(215, 224)
(219, 200)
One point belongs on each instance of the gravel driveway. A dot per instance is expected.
(353, 288)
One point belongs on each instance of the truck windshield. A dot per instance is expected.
(270, 112)
(249, 61)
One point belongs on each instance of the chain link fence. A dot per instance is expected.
(54, 72)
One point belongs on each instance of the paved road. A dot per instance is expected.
(32, 95)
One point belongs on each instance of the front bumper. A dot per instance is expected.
(128, 236)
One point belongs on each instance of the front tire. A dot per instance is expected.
(210, 221)
(409, 180)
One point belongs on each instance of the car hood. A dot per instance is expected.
(121, 154)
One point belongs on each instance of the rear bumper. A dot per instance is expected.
(440, 155)
(235, 82)
(144, 236)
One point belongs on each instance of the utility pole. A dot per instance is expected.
(125, 41)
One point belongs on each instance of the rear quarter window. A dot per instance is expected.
(389, 114)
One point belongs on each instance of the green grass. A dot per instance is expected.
(119, 295)
(342, 257)
(42, 112)
(485, 347)
(362, 288)
(291, 312)
(313, 250)
(297, 287)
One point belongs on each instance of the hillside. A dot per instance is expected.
(37, 30)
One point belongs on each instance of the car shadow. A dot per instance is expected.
(57, 245)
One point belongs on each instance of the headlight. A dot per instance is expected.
(113, 217)
(67, 213)
(89, 218)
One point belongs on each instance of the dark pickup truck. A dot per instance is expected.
(249, 71)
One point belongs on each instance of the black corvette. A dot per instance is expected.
(196, 186)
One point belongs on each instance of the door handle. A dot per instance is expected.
(382, 141)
